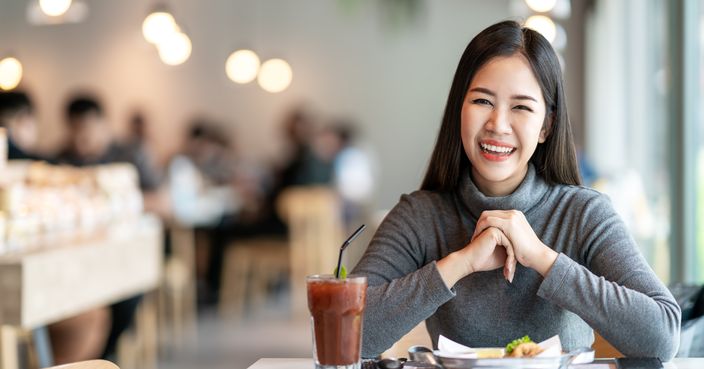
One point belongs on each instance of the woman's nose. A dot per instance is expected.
(499, 122)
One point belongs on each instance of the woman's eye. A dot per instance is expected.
(523, 107)
(481, 101)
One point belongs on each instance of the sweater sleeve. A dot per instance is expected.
(617, 293)
(403, 291)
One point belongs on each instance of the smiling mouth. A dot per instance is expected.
(497, 150)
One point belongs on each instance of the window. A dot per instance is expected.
(626, 112)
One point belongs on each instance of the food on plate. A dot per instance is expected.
(527, 349)
(490, 353)
(523, 347)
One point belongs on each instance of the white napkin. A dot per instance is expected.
(450, 348)
(551, 347)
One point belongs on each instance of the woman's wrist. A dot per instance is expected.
(452, 268)
(545, 261)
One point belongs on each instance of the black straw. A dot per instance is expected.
(344, 246)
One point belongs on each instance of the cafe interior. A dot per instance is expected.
(176, 169)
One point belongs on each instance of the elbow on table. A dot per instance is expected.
(663, 345)
(370, 349)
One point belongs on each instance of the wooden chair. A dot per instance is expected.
(417, 336)
(603, 349)
(177, 293)
(250, 268)
(314, 218)
(90, 364)
(138, 347)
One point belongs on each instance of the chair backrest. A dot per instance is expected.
(604, 349)
(692, 338)
(90, 364)
(314, 219)
(690, 298)
(417, 336)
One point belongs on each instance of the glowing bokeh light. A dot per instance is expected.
(242, 66)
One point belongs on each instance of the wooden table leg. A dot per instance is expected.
(9, 356)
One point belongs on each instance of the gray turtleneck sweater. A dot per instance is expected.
(599, 281)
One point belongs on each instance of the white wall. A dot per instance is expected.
(348, 59)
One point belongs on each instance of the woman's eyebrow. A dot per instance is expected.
(491, 93)
(523, 97)
(483, 90)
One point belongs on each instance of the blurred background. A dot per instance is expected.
(260, 133)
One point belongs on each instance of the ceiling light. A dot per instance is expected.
(175, 49)
(242, 66)
(10, 73)
(158, 26)
(543, 25)
(54, 8)
(541, 6)
(275, 75)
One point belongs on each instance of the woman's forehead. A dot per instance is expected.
(512, 75)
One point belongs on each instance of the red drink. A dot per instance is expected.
(336, 308)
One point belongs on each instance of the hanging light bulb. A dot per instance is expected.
(541, 6)
(242, 66)
(158, 26)
(10, 73)
(175, 49)
(54, 8)
(543, 25)
(275, 75)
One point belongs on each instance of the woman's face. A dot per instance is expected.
(502, 123)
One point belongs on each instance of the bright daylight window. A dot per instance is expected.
(626, 112)
(699, 271)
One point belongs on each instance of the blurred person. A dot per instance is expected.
(353, 171)
(309, 160)
(135, 149)
(91, 142)
(199, 178)
(210, 189)
(17, 116)
(90, 135)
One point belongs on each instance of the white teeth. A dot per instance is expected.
(493, 148)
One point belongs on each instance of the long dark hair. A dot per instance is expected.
(555, 159)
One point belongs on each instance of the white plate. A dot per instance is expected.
(460, 361)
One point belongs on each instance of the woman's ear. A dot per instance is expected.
(547, 128)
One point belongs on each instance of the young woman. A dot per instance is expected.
(502, 190)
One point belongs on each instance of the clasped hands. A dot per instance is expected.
(501, 238)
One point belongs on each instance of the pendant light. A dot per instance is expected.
(275, 75)
(10, 73)
(242, 66)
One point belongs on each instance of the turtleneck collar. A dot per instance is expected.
(524, 198)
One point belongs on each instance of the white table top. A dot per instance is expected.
(677, 363)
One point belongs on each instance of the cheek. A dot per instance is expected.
(531, 134)
(471, 123)
(466, 133)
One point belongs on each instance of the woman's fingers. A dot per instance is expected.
(510, 264)
(486, 221)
